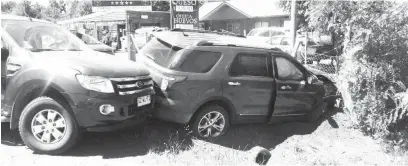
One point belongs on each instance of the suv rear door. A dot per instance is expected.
(249, 85)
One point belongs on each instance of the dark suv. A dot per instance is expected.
(53, 86)
(210, 81)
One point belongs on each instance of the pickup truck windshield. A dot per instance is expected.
(38, 36)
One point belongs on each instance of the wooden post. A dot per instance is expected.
(293, 20)
(306, 39)
(128, 38)
(171, 15)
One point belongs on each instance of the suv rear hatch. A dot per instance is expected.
(170, 60)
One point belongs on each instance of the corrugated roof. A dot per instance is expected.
(249, 8)
(109, 16)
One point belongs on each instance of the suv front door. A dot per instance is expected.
(294, 96)
(249, 86)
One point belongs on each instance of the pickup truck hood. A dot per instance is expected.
(100, 47)
(91, 63)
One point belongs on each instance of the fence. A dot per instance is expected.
(326, 61)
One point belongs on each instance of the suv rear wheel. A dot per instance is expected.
(47, 127)
(211, 121)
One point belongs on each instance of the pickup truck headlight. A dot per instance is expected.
(95, 83)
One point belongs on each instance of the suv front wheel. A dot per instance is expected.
(47, 127)
(210, 122)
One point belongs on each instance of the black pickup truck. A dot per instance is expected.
(54, 86)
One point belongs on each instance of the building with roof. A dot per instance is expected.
(241, 16)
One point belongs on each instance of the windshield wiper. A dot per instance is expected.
(72, 50)
(40, 50)
(150, 57)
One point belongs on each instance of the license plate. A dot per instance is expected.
(144, 100)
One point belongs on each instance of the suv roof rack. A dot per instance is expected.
(208, 43)
(206, 31)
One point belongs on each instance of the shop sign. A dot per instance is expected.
(185, 14)
(114, 5)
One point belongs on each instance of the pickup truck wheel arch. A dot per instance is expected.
(26, 95)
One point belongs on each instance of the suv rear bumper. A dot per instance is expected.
(87, 110)
(172, 110)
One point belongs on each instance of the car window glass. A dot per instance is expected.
(285, 41)
(275, 41)
(276, 33)
(264, 33)
(199, 61)
(287, 70)
(246, 64)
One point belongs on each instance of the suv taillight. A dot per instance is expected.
(168, 81)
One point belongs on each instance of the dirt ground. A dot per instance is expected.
(330, 141)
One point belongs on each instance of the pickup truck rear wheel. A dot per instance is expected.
(47, 127)
(212, 121)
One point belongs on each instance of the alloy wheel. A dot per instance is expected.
(48, 126)
(211, 124)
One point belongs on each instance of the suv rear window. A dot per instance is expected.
(249, 65)
(160, 52)
(199, 61)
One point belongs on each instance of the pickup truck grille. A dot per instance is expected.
(131, 85)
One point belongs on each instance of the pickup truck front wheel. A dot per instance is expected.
(47, 127)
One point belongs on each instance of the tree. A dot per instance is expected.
(85, 7)
(56, 10)
(25, 8)
(373, 68)
(8, 6)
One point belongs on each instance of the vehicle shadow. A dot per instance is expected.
(245, 137)
(9, 137)
(158, 136)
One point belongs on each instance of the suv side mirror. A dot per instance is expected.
(4, 54)
(311, 79)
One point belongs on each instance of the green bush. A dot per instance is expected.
(373, 73)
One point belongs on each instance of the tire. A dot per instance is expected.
(317, 112)
(210, 111)
(68, 134)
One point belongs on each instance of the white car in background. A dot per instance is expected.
(264, 34)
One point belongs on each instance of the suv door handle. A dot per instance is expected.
(286, 87)
(234, 83)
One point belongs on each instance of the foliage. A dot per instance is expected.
(56, 10)
(373, 71)
(26, 8)
(7, 6)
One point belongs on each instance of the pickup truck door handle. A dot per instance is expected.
(234, 83)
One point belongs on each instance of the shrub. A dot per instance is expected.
(373, 72)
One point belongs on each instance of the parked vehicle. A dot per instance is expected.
(54, 86)
(316, 51)
(212, 81)
(264, 34)
(95, 44)
(150, 30)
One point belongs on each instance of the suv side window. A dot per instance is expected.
(246, 64)
(200, 61)
(287, 70)
(264, 34)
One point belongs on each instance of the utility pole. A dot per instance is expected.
(293, 22)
